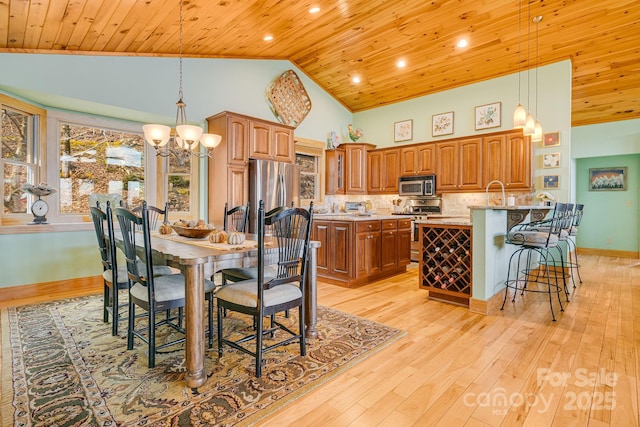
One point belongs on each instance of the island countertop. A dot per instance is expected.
(510, 208)
(446, 220)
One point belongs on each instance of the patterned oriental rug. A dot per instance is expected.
(61, 366)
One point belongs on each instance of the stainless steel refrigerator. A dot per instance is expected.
(275, 183)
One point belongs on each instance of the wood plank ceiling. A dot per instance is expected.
(363, 38)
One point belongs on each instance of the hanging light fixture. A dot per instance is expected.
(530, 122)
(187, 137)
(537, 128)
(519, 114)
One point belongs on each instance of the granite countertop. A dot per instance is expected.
(343, 216)
(510, 208)
(446, 220)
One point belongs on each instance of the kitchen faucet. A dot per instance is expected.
(504, 201)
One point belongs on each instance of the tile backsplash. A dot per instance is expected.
(452, 203)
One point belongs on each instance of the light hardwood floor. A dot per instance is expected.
(456, 368)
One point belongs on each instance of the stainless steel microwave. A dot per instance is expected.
(418, 185)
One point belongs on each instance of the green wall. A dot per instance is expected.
(610, 218)
(48, 257)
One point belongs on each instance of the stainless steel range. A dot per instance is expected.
(419, 208)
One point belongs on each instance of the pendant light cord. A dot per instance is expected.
(519, 46)
(180, 35)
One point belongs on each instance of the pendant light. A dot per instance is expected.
(530, 122)
(187, 137)
(537, 128)
(519, 114)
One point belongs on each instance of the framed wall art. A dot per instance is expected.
(551, 139)
(488, 116)
(608, 179)
(551, 160)
(403, 131)
(551, 182)
(442, 124)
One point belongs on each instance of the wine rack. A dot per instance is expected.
(445, 264)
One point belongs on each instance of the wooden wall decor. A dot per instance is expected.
(288, 99)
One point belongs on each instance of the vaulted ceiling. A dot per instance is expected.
(363, 38)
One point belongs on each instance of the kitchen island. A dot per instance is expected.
(356, 249)
(465, 260)
(490, 261)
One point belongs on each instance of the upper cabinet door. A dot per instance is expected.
(356, 155)
(518, 162)
(260, 144)
(271, 142)
(283, 145)
(470, 168)
(237, 140)
(418, 160)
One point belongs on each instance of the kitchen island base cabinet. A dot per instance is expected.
(445, 264)
(354, 253)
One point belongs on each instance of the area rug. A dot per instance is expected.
(61, 366)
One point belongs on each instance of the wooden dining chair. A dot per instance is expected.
(243, 273)
(114, 278)
(236, 218)
(263, 297)
(152, 294)
(157, 216)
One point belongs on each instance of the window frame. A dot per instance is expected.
(310, 147)
(151, 193)
(39, 146)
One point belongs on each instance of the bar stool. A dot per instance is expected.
(536, 240)
(572, 247)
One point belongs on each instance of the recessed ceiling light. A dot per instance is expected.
(356, 79)
(401, 63)
(462, 43)
(267, 38)
(314, 9)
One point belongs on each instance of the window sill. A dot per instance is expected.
(46, 228)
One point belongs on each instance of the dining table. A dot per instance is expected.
(198, 259)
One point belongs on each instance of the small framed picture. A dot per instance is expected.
(551, 139)
(550, 181)
(608, 179)
(551, 160)
(488, 116)
(403, 131)
(442, 124)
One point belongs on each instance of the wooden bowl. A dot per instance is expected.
(194, 233)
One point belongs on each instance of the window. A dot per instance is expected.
(310, 158)
(308, 176)
(20, 135)
(179, 184)
(99, 160)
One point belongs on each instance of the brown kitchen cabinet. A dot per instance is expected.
(403, 248)
(418, 160)
(356, 171)
(445, 264)
(335, 172)
(368, 247)
(346, 167)
(382, 171)
(459, 165)
(271, 141)
(333, 256)
(354, 253)
(507, 157)
(242, 137)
